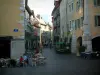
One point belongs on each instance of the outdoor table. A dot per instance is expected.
(87, 55)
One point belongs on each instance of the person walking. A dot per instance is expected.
(50, 44)
(25, 60)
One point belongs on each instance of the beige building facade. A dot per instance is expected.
(83, 21)
(11, 27)
(11, 16)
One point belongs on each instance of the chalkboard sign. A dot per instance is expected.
(15, 30)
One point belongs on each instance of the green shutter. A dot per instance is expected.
(75, 24)
(79, 23)
(70, 24)
(96, 20)
(82, 21)
(72, 6)
(95, 2)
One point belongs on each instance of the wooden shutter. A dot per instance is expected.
(75, 24)
(96, 21)
(95, 2)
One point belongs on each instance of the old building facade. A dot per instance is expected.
(82, 19)
(56, 21)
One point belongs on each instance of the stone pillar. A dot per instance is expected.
(73, 43)
(86, 28)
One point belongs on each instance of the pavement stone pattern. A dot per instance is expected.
(58, 64)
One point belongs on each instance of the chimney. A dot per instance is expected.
(38, 16)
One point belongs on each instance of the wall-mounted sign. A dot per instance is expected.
(15, 30)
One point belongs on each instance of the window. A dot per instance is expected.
(72, 6)
(97, 20)
(78, 23)
(45, 27)
(76, 6)
(81, 3)
(73, 27)
(75, 24)
(82, 21)
(70, 25)
(97, 2)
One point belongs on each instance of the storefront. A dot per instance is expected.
(5, 43)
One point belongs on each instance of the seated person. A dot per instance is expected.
(21, 61)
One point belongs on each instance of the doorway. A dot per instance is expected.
(96, 43)
(4, 48)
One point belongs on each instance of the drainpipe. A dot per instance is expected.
(86, 28)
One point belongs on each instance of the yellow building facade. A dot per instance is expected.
(76, 15)
(11, 17)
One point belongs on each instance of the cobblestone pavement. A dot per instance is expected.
(58, 64)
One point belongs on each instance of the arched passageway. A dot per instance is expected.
(79, 44)
(96, 44)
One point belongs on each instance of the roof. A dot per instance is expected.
(41, 21)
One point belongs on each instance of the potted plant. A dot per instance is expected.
(82, 49)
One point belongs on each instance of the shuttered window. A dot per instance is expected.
(97, 20)
(70, 24)
(78, 23)
(97, 2)
(81, 3)
(81, 21)
(75, 24)
(69, 8)
(72, 6)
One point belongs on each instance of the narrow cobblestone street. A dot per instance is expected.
(58, 64)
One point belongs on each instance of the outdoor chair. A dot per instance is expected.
(39, 59)
(86, 55)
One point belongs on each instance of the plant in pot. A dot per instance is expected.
(82, 49)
